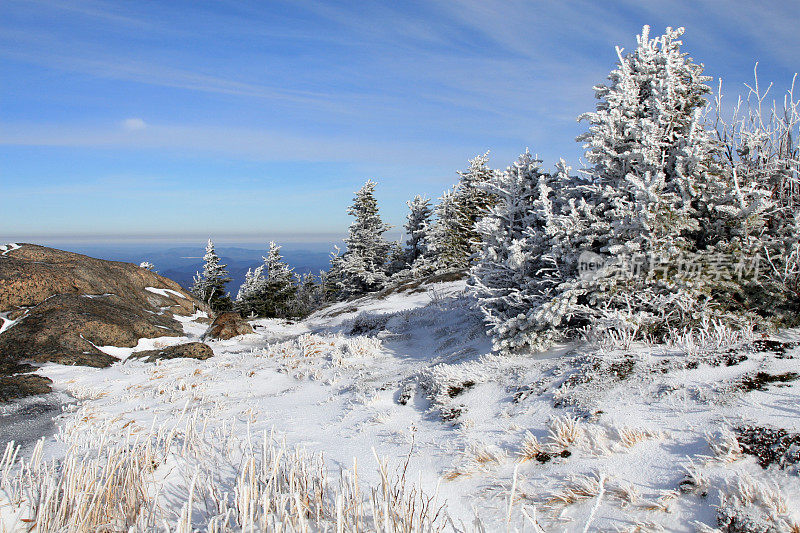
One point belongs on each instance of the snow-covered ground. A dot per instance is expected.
(581, 438)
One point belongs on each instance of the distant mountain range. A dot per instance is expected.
(181, 262)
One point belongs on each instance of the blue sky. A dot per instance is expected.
(259, 119)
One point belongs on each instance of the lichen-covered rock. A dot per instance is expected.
(22, 385)
(67, 328)
(192, 350)
(227, 326)
(66, 305)
(30, 274)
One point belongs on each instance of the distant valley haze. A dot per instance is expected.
(180, 258)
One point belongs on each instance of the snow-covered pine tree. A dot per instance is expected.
(331, 282)
(209, 285)
(758, 199)
(325, 290)
(417, 225)
(514, 274)
(362, 267)
(473, 201)
(252, 292)
(269, 289)
(447, 249)
(453, 238)
(306, 297)
(397, 262)
(651, 157)
(280, 284)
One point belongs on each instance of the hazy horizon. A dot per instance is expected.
(181, 260)
(180, 239)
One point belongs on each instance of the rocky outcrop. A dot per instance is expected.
(68, 328)
(227, 326)
(66, 305)
(22, 385)
(31, 274)
(193, 350)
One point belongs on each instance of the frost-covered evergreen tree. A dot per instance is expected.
(661, 217)
(326, 290)
(363, 266)
(333, 276)
(209, 285)
(268, 290)
(653, 160)
(473, 200)
(453, 239)
(758, 200)
(252, 292)
(307, 297)
(445, 245)
(417, 226)
(648, 146)
(280, 284)
(515, 273)
(397, 262)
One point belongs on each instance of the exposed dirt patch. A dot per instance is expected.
(779, 348)
(545, 457)
(22, 385)
(769, 446)
(729, 358)
(191, 350)
(455, 390)
(762, 380)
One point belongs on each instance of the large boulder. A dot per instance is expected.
(227, 326)
(192, 350)
(30, 274)
(22, 385)
(68, 328)
(65, 305)
(17, 382)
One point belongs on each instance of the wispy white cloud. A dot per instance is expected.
(133, 124)
(258, 144)
(152, 73)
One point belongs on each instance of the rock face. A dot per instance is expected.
(227, 326)
(22, 385)
(67, 304)
(31, 274)
(193, 350)
(66, 328)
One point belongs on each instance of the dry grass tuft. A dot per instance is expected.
(111, 480)
(630, 437)
(530, 448)
(565, 431)
(744, 500)
(577, 488)
(725, 446)
(477, 458)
